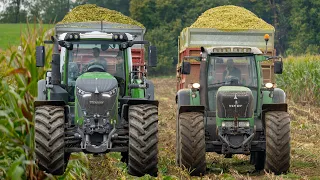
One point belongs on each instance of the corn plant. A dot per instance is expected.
(301, 79)
(18, 89)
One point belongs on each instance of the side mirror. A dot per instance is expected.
(152, 56)
(185, 67)
(278, 66)
(40, 56)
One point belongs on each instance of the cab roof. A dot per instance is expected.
(95, 35)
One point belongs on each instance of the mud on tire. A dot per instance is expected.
(143, 140)
(191, 140)
(277, 142)
(49, 139)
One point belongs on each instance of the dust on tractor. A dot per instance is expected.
(231, 111)
(92, 101)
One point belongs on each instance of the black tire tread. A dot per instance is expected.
(143, 140)
(192, 147)
(277, 142)
(49, 139)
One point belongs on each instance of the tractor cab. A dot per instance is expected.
(231, 69)
(89, 55)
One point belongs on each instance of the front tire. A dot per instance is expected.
(143, 140)
(277, 142)
(191, 143)
(49, 139)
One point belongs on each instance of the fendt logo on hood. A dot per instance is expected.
(235, 105)
(96, 102)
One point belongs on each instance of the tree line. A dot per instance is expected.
(297, 22)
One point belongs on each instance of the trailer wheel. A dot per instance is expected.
(143, 140)
(49, 139)
(191, 143)
(177, 141)
(277, 142)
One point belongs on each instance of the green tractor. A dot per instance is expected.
(92, 101)
(231, 111)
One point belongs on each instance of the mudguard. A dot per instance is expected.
(186, 103)
(41, 90)
(150, 90)
(279, 96)
(190, 108)
(52, 102)
(183, 97)
(136, 101)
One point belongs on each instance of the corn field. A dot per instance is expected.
(18, 89)
(301, 79)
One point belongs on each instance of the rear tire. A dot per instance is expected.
(192, 147)
(49, 139)
(277, 142)
(143, 140)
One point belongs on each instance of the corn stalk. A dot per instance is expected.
(18, 89)
(301, 79)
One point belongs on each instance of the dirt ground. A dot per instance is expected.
(305, 147)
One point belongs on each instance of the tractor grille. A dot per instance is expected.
(231, 104)
(90, 96)
(97, 104)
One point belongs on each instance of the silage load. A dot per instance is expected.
(230, 18)
(92, 12)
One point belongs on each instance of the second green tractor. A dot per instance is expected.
(231, 111)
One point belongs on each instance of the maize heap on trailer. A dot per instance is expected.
(227, 107)
(90, 17)
(92, 101)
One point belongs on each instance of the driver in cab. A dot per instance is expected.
(97, 59)
(231, 71)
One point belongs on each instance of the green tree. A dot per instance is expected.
(13, 12)
(305, 27)
(54, 10)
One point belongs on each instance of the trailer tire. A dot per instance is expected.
(277, 142)
(192, 147)
(143, 140)
(49, 139)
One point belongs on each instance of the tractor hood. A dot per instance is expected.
(96, 95)
(96, 82)
(234, 102)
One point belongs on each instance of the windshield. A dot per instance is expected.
(99, 57)
(232, 71)
(228, 71)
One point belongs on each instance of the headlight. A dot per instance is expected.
(231, 124)
(269, 85)
(244, 123)
(196, 85)
(110, 93)
(83, 93)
